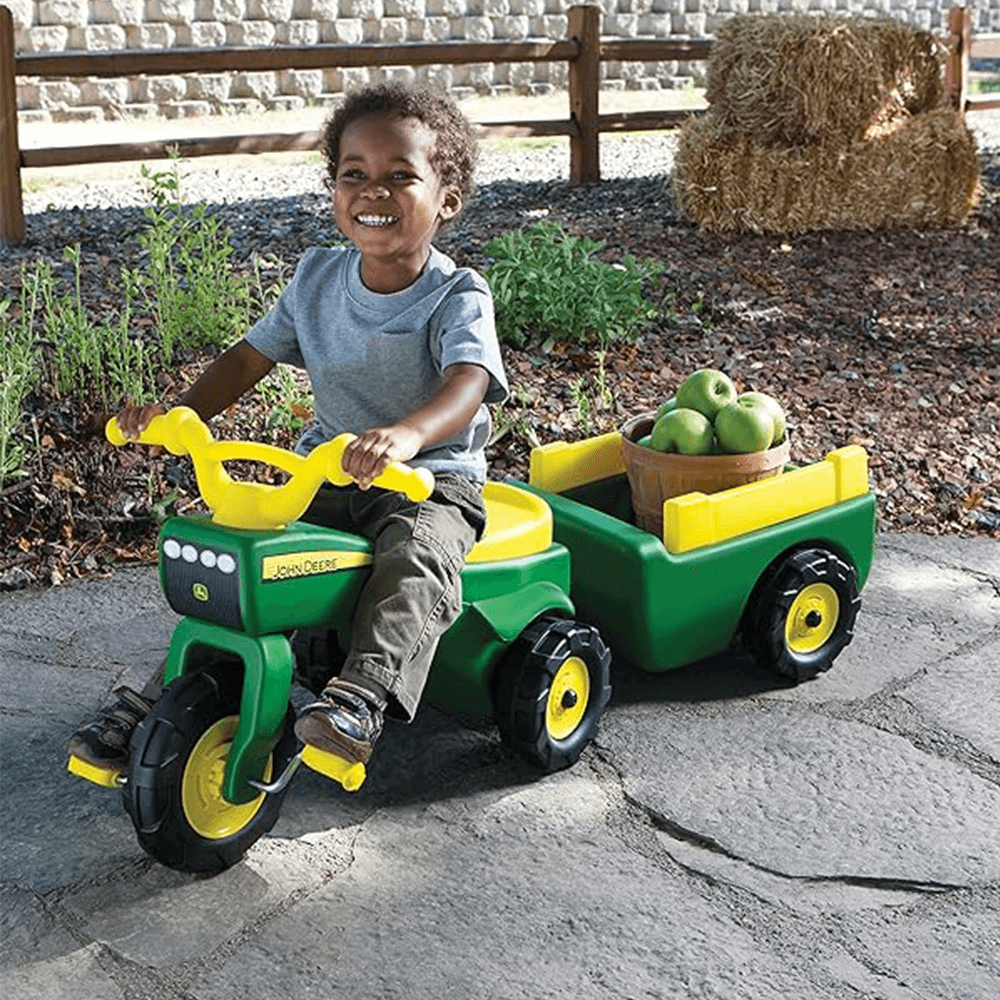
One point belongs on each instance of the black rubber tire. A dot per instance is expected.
(773, 603)
(524, 682)
(161, 747)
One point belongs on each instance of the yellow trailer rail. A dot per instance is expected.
(695, 520)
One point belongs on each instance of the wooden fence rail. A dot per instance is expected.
(583, 51)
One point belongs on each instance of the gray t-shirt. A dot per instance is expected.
(374, 359)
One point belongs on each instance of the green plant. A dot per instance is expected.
(548, 284)
(165, 506)
(289, 403)
(17, 376)
(604, 397)
(82, 358)
(191, 288)
(591, 396)
(66, 327)
(581, 402)
(511, 417)
(49, 340)
(508, 421)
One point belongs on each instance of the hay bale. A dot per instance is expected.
(793, 79)
(917, 173)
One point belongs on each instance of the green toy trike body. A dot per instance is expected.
(779, 564)
(211, 762)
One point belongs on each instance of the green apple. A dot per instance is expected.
(707, 391)
(664, 408)
(744, 426)
(776, 412)
(683, 430)
(646, 441)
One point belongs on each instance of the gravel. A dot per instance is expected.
(105, 216)
(276, 205)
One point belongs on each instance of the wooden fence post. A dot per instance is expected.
(584, 88)
(11, 208)
(956, 71)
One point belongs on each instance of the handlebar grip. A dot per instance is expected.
(113, 432)
(416, 483)
(178, 430)
(147, 435)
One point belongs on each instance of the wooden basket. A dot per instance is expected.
(655, 476)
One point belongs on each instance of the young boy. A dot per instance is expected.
(400, 347)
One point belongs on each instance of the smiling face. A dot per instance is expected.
(389, 199)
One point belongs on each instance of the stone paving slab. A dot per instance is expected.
(122, 622)
(64, 611)
(963, 696)
(69, 977)
(810, 796)
(56, 693)
(949, 953)
(55, 830)
(523, 894)
(729, 836)
(809, 897)
(959, 604)
(162, 918)
(968, 555)
(28, 931)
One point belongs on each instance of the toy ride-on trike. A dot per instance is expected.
(210, 764)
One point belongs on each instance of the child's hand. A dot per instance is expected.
(133, 419)
(367, 456)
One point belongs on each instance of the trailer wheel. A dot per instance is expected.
(173, 792)
(552, 688)
(803, 614)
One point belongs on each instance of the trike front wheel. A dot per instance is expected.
(173, 793)
(552, 689)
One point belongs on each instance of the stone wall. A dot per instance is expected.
(110, 25)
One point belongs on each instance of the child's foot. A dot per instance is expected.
(104, 742)
(346, 721)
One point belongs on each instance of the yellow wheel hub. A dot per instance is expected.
(209, 814)
(568, 698)
(812, 618)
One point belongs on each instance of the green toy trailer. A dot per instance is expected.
(777, 562)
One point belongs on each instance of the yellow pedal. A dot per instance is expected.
(106, 777)
(351, 776)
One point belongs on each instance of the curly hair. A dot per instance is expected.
(455, 147)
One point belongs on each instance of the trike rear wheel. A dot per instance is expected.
(173, 792)
(552, 688)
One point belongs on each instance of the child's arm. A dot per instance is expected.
(451, 408)
(230, 375)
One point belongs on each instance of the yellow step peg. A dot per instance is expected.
(351, 776)
(106, 777)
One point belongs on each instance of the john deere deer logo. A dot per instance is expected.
(200, 591)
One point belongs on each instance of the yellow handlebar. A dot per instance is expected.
(257, 505)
